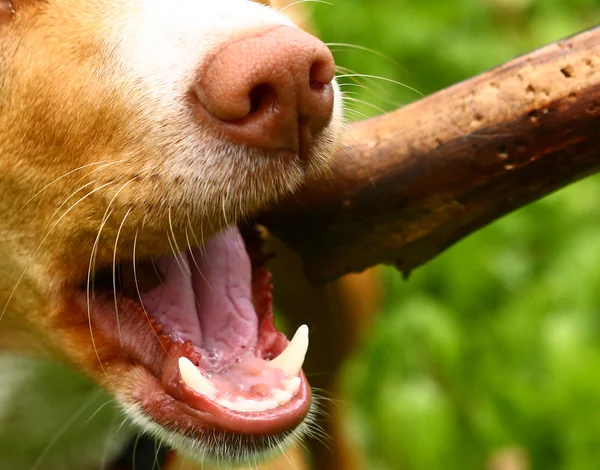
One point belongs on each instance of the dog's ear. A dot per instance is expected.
(6, 11)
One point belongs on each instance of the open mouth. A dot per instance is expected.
(200, 323)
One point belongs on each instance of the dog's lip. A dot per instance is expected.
(174, 414)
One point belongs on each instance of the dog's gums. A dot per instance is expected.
(137, 141)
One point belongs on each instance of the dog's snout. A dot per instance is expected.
(270, 89)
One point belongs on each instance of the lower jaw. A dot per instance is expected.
(212, 444)
(150, 399)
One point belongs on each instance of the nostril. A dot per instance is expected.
(316, 85)
(271, 89)
(261, 97)
(321, 74)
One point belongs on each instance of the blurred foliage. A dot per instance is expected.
(496, 343)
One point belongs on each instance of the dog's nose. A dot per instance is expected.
(270, 89)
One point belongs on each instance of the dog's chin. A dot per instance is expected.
(188, 345)
(220, 450)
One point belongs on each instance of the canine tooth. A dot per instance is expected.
(282, 396)
(194, 379)
(291, 359)
(293, 384)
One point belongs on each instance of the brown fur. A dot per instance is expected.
(91, 169)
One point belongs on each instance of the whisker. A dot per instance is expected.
(224, 210)
(114, 274)
(104, 220)
(139, 293)
(363, 48)
(350, 93)
(194, 260)
(374, 88)
(134, 451)
(88, 297)
(177, 252)
(58, 209)
(91, 272)
(284, 453)
(347, 92)
(376, 77)
(200, 243)
(176, 256)
(56, 180)
(187, 238)
(123, 421)
(158, 274)
(107, 402)
(366, 103)
(109, 438)
(76, 191)
(359, 85)
(42, 242)
(356, 113)
(157, 447)
(305, 1)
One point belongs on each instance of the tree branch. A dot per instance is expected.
(408, 184)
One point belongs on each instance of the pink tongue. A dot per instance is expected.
(206, 298)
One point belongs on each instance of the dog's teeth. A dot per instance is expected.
(282, 396)
(194, 379)
(291, 359)
(292, 385)
(249, 406)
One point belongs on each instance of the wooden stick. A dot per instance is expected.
(408, 184)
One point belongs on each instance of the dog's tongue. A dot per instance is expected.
(206, 297)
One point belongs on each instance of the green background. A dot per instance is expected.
(496, 343)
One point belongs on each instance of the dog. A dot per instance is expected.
(137, 141)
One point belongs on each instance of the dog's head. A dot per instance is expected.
(135, 135)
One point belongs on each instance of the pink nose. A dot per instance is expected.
(269, 89)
